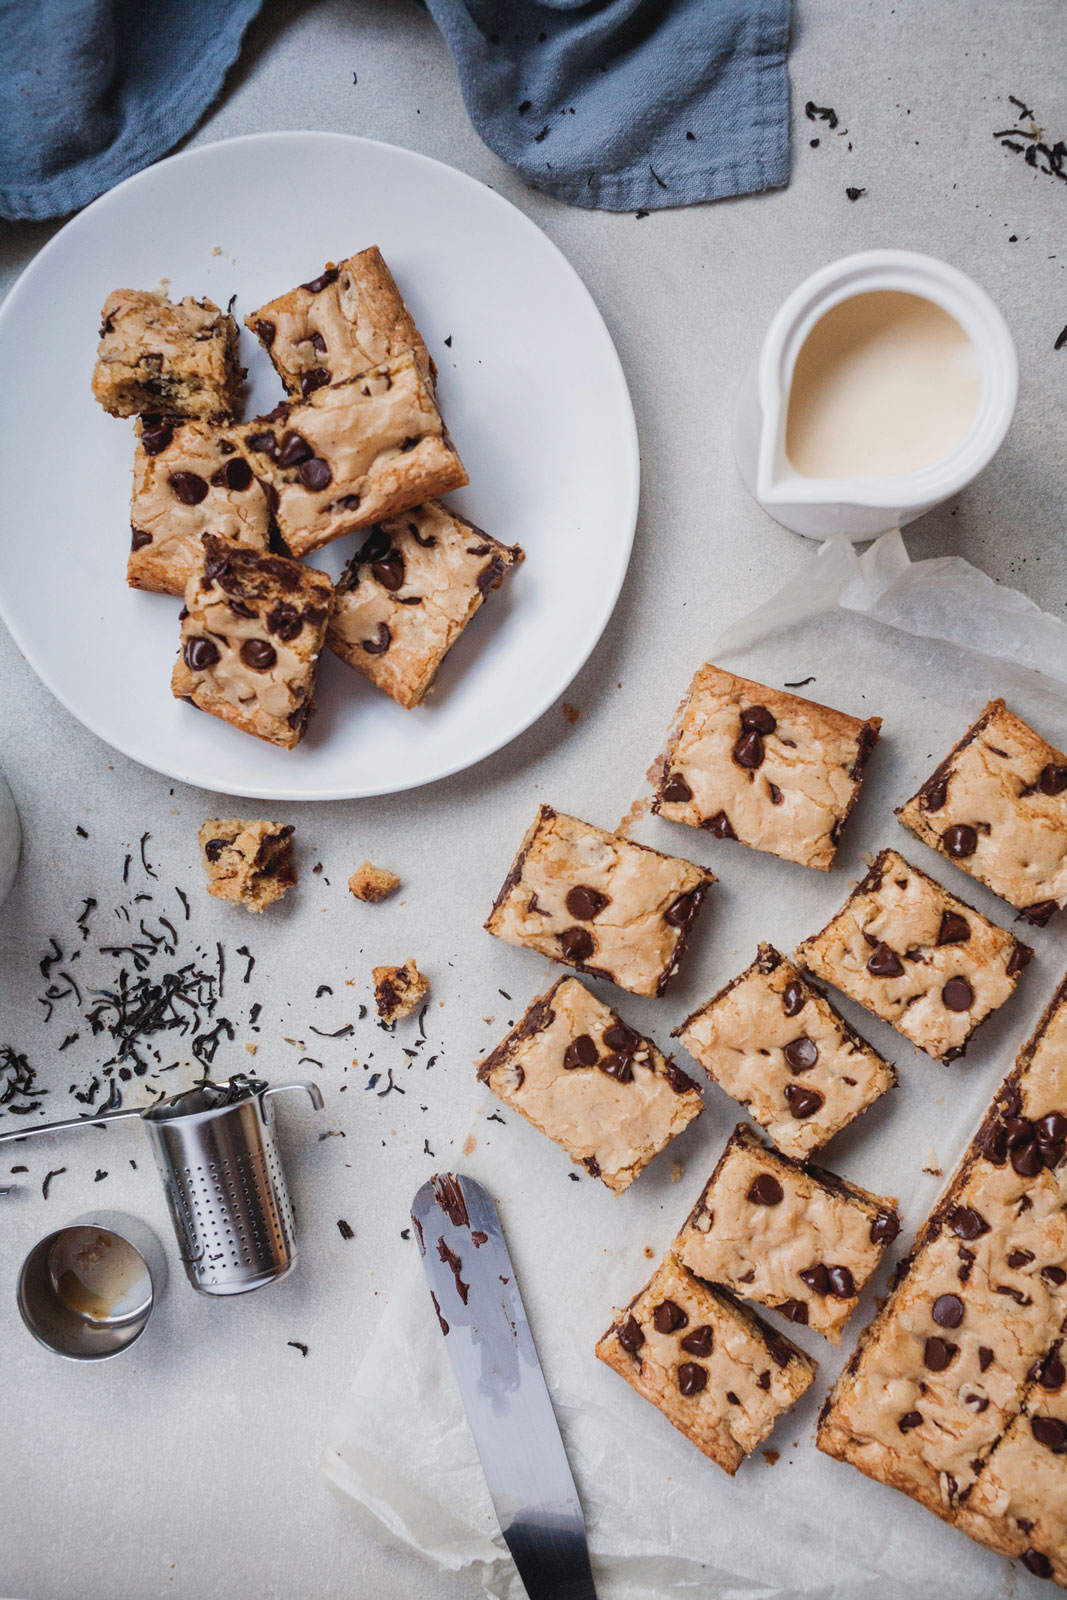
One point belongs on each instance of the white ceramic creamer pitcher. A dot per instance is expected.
(862, 507)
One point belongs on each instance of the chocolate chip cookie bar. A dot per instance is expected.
(408, 593)
(917, 957)
(398, 990)
(776, 772)
(574, 1069)
(718, 1374)
(796, 1238)
(252, 629)
(961, 1349)
(353, 454)
(351, 317)
(189, 479)
(778, 1046)
(155, 356)
(599, 903)
(250, 863)
(997, 807)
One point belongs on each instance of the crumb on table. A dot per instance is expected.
(250, 863)
(372, 883)
(398, 990)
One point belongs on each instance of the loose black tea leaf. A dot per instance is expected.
(345, 1229)
(825, 114)
(296, 1345)
(47, 1184)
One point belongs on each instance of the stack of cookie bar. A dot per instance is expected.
(223, 512)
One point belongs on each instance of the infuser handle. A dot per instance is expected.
(79, 1122)
(314, 1093)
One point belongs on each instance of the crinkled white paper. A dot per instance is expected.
(923, 645)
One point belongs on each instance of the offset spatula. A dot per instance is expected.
(472, 1284)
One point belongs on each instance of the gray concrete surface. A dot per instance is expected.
(189, 1467)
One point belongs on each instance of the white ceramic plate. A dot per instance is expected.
(531, 386)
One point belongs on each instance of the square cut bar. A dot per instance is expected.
(250, 863)
(155, 356)
(189, 479)
(917, 957)
(997, 807)
(776, 772)
(718, 1374)
(351, 317)
(599, 903)
(353, 454)
(408, 593)
(603, 1092)
(252, 630)
(964, 1338)
(778, 1046)
(796, 1238)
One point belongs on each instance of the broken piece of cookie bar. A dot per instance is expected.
(774, 771)
(601, 1090)
(408, 593)
(354, 453)
(155, 356)
(599, 903)
(775, 1043)
(189, 479)
(350, 317)
(917, 957)
(997, 807)
(250, 863)
(796, 1238)
(372, 883)
(252, 629)
(398, 990)
(718, 1374)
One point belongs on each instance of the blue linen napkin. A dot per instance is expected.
(628, 104)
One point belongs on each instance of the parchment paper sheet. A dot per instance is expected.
(924, 645)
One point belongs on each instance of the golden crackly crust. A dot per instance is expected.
(996, 807)
(786, 784)
(596, 1087)
(751, 1373)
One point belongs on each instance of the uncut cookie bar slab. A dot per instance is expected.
(250, 863)
(408, 593)
(796, 1238)
(718, 1374)
(917, 957)
(997, 807)
(601, 1090)
(189, 479)
(599, 903)
(776, 772)
(252, 630)
(158, 356)
(778, 1046)
(351, 317)
(353, 454)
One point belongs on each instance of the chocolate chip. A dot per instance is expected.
(1027, 1159)
(576, 944)
(293, 449)
(314, 474)
(188, 487)
(748, 751)
(258, 654)
(960, 840)
(680, 1081)
(958, 995)
(967, 1223)
(375, 546)
(581, 1052)
(264, 444)
(910, 1419)
(139, 538)
(884, 1228)
(692, 1377)
(700, 1342)
(389, 570)
(1050, 1432)
(935, 795)
(776, 794)
(676, 788)
(428, 542)
(947, 1311)
(668, 1317)
(937, 1353)
(884, 962)
(985, 1358)
(757, 719)
(619, 1037)
(285, 621)
(1051, 1129)
(817, 1278)
(314, 378)
(265, 330)
(719, 826)
(585, 903)
(801, 1054)
(954, 929)
(1053, 1374)
(378, 646)
(630, 1335)
(1020, 1258)
(200, 653)
(842, 1286)
(802, 1102)
(235, 475)
(795, 1311)
(156, 437)
(1035, 1562)
(764, 1380)
(317, 342)
(765, 1190)
(1053, 779)
(325, 278)
(792, 999)
(684, 909)
(617, 1066)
